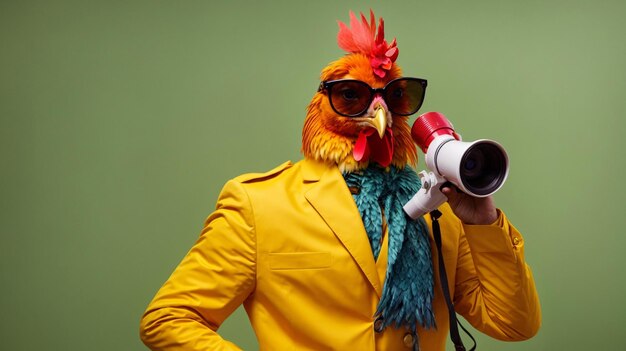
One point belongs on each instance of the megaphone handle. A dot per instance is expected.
(428, 198)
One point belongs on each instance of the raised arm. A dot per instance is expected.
(495, 290)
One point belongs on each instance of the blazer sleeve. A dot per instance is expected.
(494, 288)
(213, 279)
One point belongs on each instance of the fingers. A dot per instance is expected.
(470, 209)
(450, 190)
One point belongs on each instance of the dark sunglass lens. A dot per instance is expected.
(404, 96)
(350, 97)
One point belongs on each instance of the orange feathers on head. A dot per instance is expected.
(330, 137)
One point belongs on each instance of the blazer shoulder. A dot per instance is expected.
(259, 177)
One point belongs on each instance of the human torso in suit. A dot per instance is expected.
(290, 246)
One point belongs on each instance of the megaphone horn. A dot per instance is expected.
(478, 168)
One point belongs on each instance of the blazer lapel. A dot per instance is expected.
(332, 200)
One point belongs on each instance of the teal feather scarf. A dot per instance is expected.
(408, 291)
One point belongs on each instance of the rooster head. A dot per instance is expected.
(359, 114)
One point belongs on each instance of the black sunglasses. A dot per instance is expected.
(352, 98)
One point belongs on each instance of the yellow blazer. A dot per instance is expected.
(290, 246)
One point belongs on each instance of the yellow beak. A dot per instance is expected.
(379, 121)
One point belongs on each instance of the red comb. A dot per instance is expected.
(362, 37)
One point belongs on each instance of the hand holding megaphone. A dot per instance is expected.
(477, 168)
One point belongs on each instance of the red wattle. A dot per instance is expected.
(361, 149)
(369, 146)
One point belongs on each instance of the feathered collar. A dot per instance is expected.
(379, 194)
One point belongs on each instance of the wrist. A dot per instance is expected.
(487, 218)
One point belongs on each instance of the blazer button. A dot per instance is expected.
(408, 340)
(378, 325)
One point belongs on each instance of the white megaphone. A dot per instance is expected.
(478, 168)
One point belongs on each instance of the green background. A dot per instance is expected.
(121, 120)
